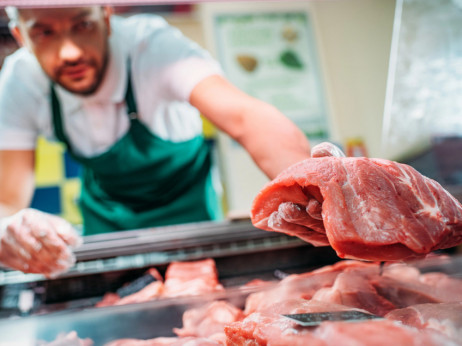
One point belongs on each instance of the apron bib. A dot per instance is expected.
(142, 180)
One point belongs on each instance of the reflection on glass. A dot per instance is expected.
(424, 88)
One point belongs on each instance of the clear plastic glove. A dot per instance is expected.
(69, 339)
(326, 149)
(296, 218)
(35, 242)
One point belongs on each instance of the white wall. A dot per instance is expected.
(354, 40)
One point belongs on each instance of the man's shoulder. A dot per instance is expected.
(148, 38)
(22, 64)
(151, 37)
(20, 57)
(138, 26)
(22, 75)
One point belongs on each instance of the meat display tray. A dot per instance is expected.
(145, 320)
(106, 262)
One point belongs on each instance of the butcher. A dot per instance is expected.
(125, 96)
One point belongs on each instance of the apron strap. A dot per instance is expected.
(130, 101)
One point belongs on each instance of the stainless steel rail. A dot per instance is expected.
(158, 246)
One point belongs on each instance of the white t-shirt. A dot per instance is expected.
(165, 68)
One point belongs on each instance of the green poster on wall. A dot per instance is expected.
(272, 57)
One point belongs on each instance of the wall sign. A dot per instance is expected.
(272, 57)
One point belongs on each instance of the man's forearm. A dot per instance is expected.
(273, 141)
(17, 180)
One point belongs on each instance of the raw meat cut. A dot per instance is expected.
(300, 306)
(370, 209)
(404, 286)
(181, 279)
(191, 278)
(443, 317)
(138, 342)
(208, 320)
(167, 341)
(304, 285)
(379, 333)
(152, 291)
(361, 285)
(354, 289)
(147, 287)
(271, 328)
(264, 328)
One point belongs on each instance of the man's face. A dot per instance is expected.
(71, 44)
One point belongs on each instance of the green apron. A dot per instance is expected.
(142, 180)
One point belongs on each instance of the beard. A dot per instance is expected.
(82, 85)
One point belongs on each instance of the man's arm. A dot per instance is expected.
(16, 180)
(272, 140)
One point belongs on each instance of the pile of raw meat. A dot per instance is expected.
(369, 209)
(181, 279)
(417, 309)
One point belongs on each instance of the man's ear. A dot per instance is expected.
(107, 12)
(17, 35)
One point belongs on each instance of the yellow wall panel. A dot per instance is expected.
(50, 172)
(70, 192)
(49, 169)
(208, 128)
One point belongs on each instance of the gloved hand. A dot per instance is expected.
(326, 149)
(295, 217)
(36, 242)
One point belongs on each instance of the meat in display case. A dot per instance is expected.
(107, 262)
(218, 283)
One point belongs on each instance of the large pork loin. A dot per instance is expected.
(370, 209)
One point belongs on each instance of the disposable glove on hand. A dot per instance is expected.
(35, 242)
(293, 217)
(326, 149)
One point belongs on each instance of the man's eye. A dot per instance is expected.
(84, 25)
(41, 34)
